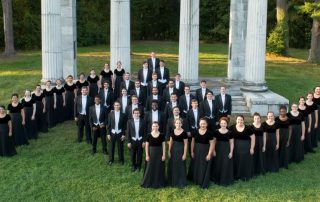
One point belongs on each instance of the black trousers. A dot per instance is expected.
(99, 132)
(116, 138)
(136, 153)
(83, 123)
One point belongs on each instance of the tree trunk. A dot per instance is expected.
(8, 28)
(282, 16)
(314, 52)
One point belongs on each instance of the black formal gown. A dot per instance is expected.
(177, 173)
(49, 99)
(6, 142)
(18, 133)
(93, 86)
(106, 77)
(70, 97)
(272, 155)
(59, 111)
(313, 133)
(154, 175)
(80, 85)
(30, 126)
(41, 121)
(296, 144)
(317, 101)
(259, 157)
(117, 83)
(200, 168)
(222, 167)
(307, 138)
(284, 152)
(243, 160)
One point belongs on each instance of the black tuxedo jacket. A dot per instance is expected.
(150, 64)
(128, 102)
(227, 107)
(166, 75)
(142, 95)
(199, 95)
(166, 95)
(109, 102)
(181, 88)
(168, 110)
(93, 118)
(112, 124)
(141, 77)
(205, 109)
(191, 118)
(148, 120)
(130, 87)
(183, 106)
(132, 132)
(150, 86)
(78, 105)
(129, 111)
(149, 102)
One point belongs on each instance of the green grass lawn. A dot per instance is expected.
(55, 168)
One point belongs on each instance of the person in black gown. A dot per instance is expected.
(271, 129)
(154, 175)
(93, 80)
(118, 78)
(306, 113)
(70, 94)
(313, 110)
(259, 157)
(285, 132)
(17, 114)
(59, 102)
(29, 107)
(316, 99)
(223, 155)
(106, 75)
(49, 104)
(244, 142)
(82, 82)
(6, 140)
(201, 154)
(41, 122)
(298, 134)
(177, 154)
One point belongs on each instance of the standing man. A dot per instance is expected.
(185, 101)
(224, 104)
(140, 92)
(126, 83)
(179, 85)
(209, 110)
(163, 74)
(168, 91)
(154, 83)
(144, 75)
(153, 62)
(134, 105)
(202, 92)
(154, 115)
(106, 96)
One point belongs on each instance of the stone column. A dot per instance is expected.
(69, 37)
(256, 46)
(51, 40)
(189, 41)
(120, 33)
(237, 39)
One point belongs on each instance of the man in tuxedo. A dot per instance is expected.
(144, 75)
(124, 100)
(170, 105)
(202, 92)
(153, 62)
(223, 103)
(154, 83)
(209, 110)
(154, 96)
(134, 105)
(170, 123)
(154, 115)
(106, 96)
(179, 85)
(98, 119)
(136, 133)
(163, 74)
(193, 119)
(168, 91)
(116, 132)
(81, 114)
(140, 92)
(127, 83)
(185, 101)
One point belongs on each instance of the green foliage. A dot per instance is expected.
(311, 8)
(277, 39)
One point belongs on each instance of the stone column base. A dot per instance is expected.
(254, 87)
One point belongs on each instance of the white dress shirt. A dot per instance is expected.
(195, 113)
(127, 84)
(154, 83)
(210, 106)
(155, 97)
(98, 109)
(153, 63)
(145, 75)
(124, 103)
(83, 105)
(223, 98)
(203, 92)
(188, 100)
(138, 92)
(116, 121)
(177, 84)
(170, 91)
(155, 116)
(105, 97)
(136, 128)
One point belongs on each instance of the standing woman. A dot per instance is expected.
(313, 110)
(106, 75)
(70, 94)
(201, 153)
(223, 155)
(29, 106)
(16, 112)
(118, 78)
(82, 82)
(59, 102)
(49, 104)
(316, 99)
(259, 156)
(306, 113)
(271, 129)
(298, 134)
(154, 175)
(285, 132)
(93, 83)
(244, 142)
(177, 153)
(41, 122)
(6, 139)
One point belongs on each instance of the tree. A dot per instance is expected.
(282, 17)
(8, 27)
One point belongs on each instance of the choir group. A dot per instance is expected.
(159, 116)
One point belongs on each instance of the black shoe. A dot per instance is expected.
(110, 163)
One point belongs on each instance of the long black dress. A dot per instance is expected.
(259, 157)
(243, 160)
(296, 145)
(200, 168)
(272, 155)
(106, 77)
(20, 137)
(49, 99)
(222, 166)
(117, 83)
(154, 175)
(93, 86)
(6, 142)
(30, 126)
(284, 152)
(80, 85)
(41, 123)
(317, 101)
(177, 173)
(70, 97)
(313, 133)
(307, 138)
(59, 111)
